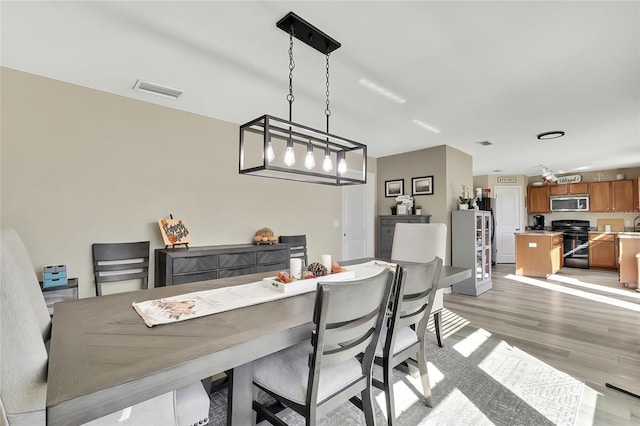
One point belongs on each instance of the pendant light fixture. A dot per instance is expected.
(269, 145)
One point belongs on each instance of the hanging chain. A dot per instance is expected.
(292, 65)
(327, 111)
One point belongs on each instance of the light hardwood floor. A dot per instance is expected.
(580, 321)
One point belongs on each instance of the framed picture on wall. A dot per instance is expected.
(422, 185)
(393, 188)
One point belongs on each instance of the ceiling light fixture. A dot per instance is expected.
(550, 135)
(156, 89)
(269, 145)
(382, 91)
(425, 125)
(484, 143)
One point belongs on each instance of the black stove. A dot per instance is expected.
(576, 241)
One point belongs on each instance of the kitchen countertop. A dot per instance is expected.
(635, 235)
(619, 234)
(540, 233)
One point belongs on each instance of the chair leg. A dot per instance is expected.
(437, 322)
(367, 406)
(387, 376)
(424, 375)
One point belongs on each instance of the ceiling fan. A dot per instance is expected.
(547, 175)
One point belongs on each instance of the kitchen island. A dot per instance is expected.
(538, 253)
(628, 247)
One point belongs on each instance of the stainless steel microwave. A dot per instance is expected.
(578, 203)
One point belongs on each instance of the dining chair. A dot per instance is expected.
(316, 376)
(297, 246)
(422, 242)
(403, 338)
(25, 329)
(114, 262)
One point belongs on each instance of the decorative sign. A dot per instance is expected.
(174, 231)
(506, 179)
(570, 179)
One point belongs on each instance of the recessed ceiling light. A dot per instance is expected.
(484, 143)
(497, 171)
(550, 135)
(382, 91)
(145, 86)
(425, 125)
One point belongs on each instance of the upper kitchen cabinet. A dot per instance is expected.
(538, 199)
(613, 196)
(570, 189)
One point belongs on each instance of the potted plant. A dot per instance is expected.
(464, 203)
(464, 199)
(418, 210)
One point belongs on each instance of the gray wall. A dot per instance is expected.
(80, 166)
(450, 169)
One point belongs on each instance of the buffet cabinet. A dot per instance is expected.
(386, 228)
(471, 248)
(180, 266)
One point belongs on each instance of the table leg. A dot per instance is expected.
(239, 403)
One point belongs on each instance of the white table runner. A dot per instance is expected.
(207, 302)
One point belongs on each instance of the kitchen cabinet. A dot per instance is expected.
(387, 226)
(471, 248)
(603, 250)
(570, 189)
(179, 266)
(538, 199)
(611, 196)
(538, 254)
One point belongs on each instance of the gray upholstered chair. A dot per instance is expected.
(403, 337)
(114, 262)
(422, 242)
(297, 246)
(316, 376)
(25, 327)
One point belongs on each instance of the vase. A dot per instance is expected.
(463, 206)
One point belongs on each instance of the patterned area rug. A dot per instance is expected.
(475, 379)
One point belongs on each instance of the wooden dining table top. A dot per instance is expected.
(103, 357)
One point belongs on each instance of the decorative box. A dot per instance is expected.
(54, 275)
(302, 286)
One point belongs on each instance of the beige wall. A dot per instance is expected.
(450, 169)
(82, 166)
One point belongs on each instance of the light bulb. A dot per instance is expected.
(270, 154)
(327, 165)
(342, 165)
(289, 156)
(309, 161)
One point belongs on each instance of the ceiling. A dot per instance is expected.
(500, 71)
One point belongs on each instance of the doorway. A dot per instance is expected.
(508, 211)
(358, 219)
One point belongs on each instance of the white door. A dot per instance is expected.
(358, 219)
(508, 214)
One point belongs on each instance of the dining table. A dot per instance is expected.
(103, 358)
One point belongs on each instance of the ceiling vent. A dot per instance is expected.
(145, 86)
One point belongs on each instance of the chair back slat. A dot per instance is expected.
(348, 331)
(346, 351)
